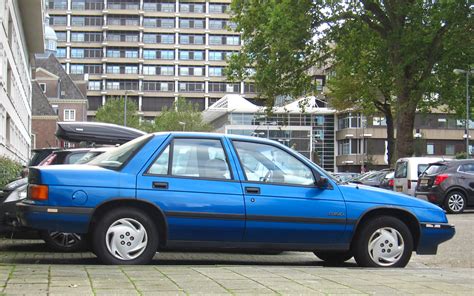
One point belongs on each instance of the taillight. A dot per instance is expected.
(409, 184)
(38, 192)
(391, 182)
(440, 179)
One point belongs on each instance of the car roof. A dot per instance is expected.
(218, 135)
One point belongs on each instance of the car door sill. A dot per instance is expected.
(218, 245)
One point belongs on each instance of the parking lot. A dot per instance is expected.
(27, 267)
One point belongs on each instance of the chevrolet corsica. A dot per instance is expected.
(176, 190)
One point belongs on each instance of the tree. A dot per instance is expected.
(420, 41)
(182, 116)
(362, 83)
(113, 111)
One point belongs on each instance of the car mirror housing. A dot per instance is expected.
(322, 182)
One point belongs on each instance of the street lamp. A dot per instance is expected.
(468, 72)
(125, 106)
(183, 124)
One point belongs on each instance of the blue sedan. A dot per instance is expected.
(201, 190)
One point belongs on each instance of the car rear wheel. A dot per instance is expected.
(125, 236)
(64, 241)
(455, 202)
(334, 257)
(383, 242)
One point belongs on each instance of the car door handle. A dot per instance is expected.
(252, 190)
(160, 185)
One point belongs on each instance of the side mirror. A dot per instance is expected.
(322, 183)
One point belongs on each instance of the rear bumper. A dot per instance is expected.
(434, 196)
(63, 219)
(433, 234)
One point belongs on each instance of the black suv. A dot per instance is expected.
(449, 184)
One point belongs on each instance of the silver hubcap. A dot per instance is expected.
(386, 246)
(456, 202)
(65, 239)
(126, 239)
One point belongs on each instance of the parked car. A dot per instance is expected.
(178, 190)
(407, 171)
(16, 191)
(345, 176)
(374, 178)
(387, 182)
(449, 184)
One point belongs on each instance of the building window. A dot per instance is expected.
(450, 149)
(430, 150)
(95, 85)
(149, 70)
(60, 52)
(77, 69)
(215, 71)
(43, 87)
(69, 115)
(77, 53)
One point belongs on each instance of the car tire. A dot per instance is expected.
(64, 241)
(384, 241)
(455, 202)
(125, 236)
(334, 257)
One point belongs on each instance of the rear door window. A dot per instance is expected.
(194, 158)
(401, 169)
(467, 168)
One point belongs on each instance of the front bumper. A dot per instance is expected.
(433, 234)
(62, 219)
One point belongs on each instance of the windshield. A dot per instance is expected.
(116, 158)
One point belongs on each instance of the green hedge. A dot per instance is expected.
(9, 171)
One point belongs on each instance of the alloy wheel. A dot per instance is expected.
(386, 246)
(126, 239)
(65, 239)
(455, 202)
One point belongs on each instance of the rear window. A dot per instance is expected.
(401, 169)
(434, 169)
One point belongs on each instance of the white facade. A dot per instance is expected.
(20, 36)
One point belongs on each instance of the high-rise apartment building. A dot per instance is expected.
(152, 50)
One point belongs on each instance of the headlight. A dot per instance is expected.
(17, 194)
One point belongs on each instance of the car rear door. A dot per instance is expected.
(193, 183)
(283, 205)
(466, 180)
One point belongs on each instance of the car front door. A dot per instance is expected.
(283, 205)
(192, 181)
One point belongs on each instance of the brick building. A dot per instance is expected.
(65, 95)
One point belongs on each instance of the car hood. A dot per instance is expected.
(78, 175)
(362, 193)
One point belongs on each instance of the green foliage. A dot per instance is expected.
(398, 53)
(9, 170)
(278, 44)
(461, 155)
(113, 111)
(182, 116)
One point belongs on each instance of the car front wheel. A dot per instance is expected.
(125, 236)
(383, 242)
(455, 202)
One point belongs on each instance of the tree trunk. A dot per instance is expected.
(405, 123)
(390, 138)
